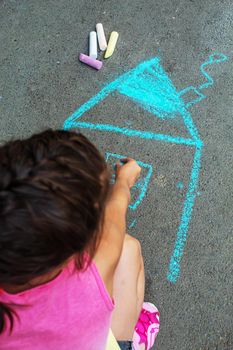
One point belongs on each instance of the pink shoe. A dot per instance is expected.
(147, 327)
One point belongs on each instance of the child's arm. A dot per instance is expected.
(116, 209)
(110, 248)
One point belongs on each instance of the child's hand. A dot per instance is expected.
(129, 171)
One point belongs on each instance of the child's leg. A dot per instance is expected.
(128, 290)
(141, 287)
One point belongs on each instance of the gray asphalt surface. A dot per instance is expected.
(42, 83)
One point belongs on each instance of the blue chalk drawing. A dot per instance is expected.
(133, 223)
(180, 185)
(174, 266)
(149, 87)
(142, 184)
(214, 58)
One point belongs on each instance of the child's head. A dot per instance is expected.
(53, 189)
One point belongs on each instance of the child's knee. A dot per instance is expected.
(132, 247)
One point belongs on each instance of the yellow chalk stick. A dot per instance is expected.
(111, 44)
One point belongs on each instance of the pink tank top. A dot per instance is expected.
(71, 312)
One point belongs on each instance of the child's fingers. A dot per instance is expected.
(125, 160)
(117, 167)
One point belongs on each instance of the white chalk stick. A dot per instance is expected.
(93, 45)
(101, 37)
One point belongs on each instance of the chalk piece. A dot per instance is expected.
(101, 37)
(93, 45)
(90, 61)
(111, 44)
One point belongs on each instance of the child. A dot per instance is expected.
(64, 254)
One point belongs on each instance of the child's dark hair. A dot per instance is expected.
(53, 189)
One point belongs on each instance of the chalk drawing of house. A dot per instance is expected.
(149, 87)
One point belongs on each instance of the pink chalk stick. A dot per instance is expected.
(90, 61)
